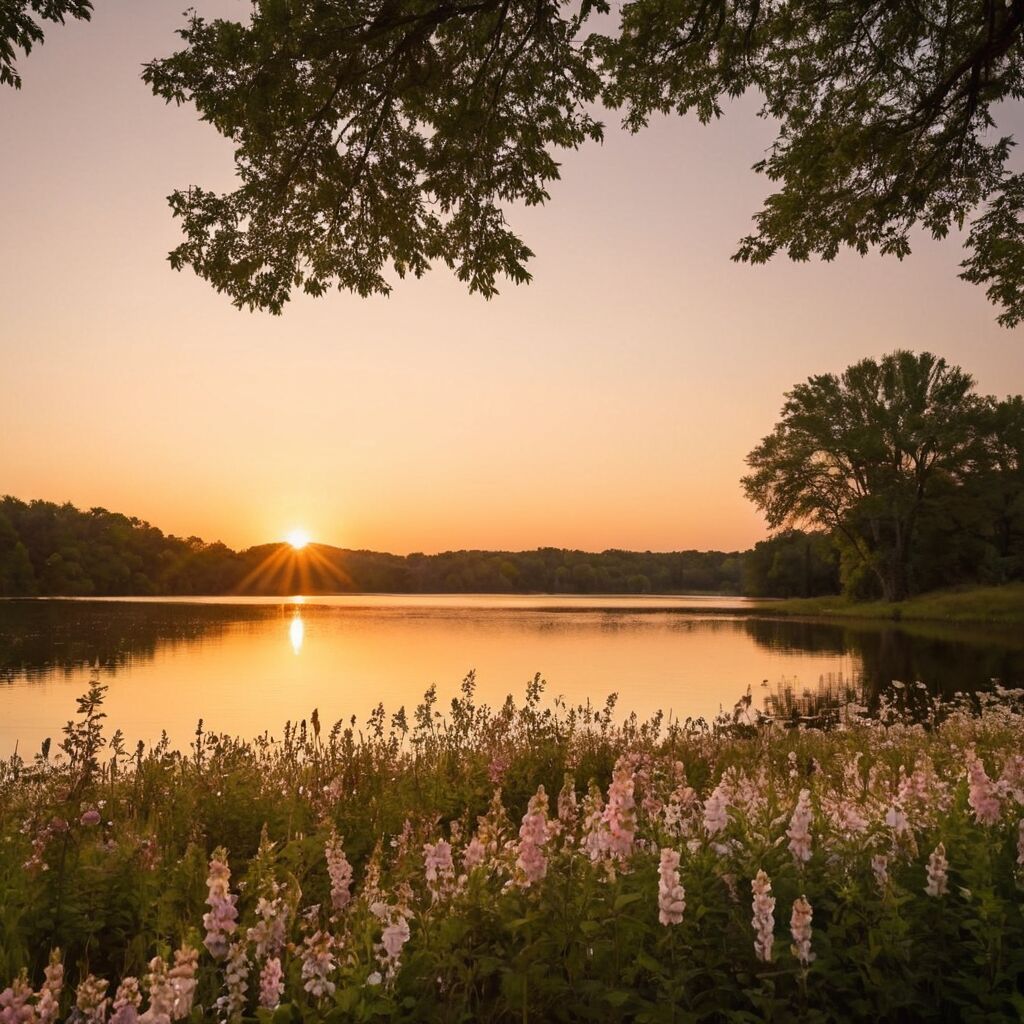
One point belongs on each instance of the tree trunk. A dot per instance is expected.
(894, 579)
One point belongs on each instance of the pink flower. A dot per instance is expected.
(221, 920)
(161, 994)
(236, 981)
(439, 868)
(14, 1002)
(394, 937)
(48, 1003)
(127, 1001)
(269, 933)
(40, 841)
(91, 1000)
(845, 816)
(923, 791)
(619, 818)
(271, 984)
(982, 795)
(716, 809)
(318, 964)
(680, 803)
(799, 830)
(182, 977)
(531, 864)
(897, 821)
(800, 929)
(91, 817)
(392, 941)
(938, 868)
(671, 895)
(474, 854)
(340, 872)
(1011, 781)
(764, 916)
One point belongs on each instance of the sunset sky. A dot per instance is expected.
(609, 404)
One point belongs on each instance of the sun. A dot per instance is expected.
(298, 539)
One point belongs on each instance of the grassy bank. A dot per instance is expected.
(996, 605)
(427, 871)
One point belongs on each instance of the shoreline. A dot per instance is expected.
(997, 605)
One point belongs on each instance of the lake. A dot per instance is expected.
(247, 665)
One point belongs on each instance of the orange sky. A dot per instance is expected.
(608, 404)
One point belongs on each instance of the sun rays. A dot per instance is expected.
(296, 568)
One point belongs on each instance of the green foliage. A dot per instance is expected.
(888, 456)
(1000, 484)
(20, 28)
(17, 577)
(372, 136)
(104, 854)
(792, 564)
(886, 115)
(374, 139)
(995, 605)
(970, 530)
(57, 549)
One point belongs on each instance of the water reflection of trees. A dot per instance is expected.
(946, 659)
(798, 635)
(40, 637)
(813, 705)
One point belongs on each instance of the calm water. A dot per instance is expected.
(248, 665)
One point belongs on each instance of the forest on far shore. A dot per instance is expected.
(49, 549)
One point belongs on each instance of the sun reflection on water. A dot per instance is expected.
(296, 632)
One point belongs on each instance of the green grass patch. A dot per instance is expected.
(1002, 605)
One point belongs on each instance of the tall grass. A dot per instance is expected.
(527, 862)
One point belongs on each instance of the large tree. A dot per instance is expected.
(859, 453)
(375, 137)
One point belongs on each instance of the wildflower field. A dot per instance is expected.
(531, 862)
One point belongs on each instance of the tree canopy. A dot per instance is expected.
(891, 455)
(376, 137)
(373, 136)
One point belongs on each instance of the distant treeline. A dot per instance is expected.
(49, 549)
